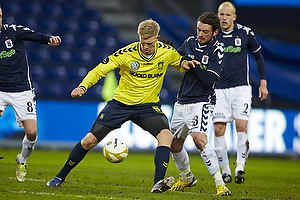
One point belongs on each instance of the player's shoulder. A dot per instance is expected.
(164, 47)
(216, 43)
(247, 30)
(15, 27)
(217, 46)
(130, 48)
(6, 27)
(191, 38)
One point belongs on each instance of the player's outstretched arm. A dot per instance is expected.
(54, 41)
(77, 92)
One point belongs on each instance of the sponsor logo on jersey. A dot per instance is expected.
(237, 41)
(140, 75)
(9, 44)
(135, 65)
(205, 59)
(148, 63)
(232, 49)
(5, 54)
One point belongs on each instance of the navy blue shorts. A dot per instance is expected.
(148, 116)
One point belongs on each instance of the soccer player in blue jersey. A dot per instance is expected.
(143, 65)
(233, 89)
(16, 87)
(195, 104)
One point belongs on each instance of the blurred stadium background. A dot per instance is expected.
(92, 29)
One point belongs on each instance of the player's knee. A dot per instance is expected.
(200, 140)
(176, 145)
(100, 131)
(89, 141)
(165, 138)
(31, 136)
(219, 129)
(1, 112)
(31, 133)
(30, 127)
(241, 127)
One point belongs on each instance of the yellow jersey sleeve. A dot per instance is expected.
(100, 71)
(141, 78)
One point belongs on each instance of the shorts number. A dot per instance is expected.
(196, 120)
(29, 107)
(246, 108)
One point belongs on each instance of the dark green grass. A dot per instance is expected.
(96, 178)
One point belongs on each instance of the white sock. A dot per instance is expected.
(242, 150)
(218, 178)
(181, 160)
(27, 148)
(239, 167)
(210, 159)
(221, 151)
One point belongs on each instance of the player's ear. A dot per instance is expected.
(216, 32)
(234, 18)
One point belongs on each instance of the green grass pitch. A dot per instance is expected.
(96, 178)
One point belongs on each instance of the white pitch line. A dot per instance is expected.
(63, 195)
(30, 179)
(79, 196)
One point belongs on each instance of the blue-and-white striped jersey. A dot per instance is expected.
(14, 67)
(236, 44)
(192, 89)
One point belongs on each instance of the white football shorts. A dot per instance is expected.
(23, 103)
(189, 118)
(233, 103)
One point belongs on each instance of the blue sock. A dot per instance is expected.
(76, 155)
(161, 161)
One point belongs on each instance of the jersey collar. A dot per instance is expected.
(141, 54)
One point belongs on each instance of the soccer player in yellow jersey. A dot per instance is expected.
(143, 66)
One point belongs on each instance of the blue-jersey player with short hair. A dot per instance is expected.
(233, 89)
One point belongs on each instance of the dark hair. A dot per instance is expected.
(211, 19)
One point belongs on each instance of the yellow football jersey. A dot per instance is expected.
(141, 78)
